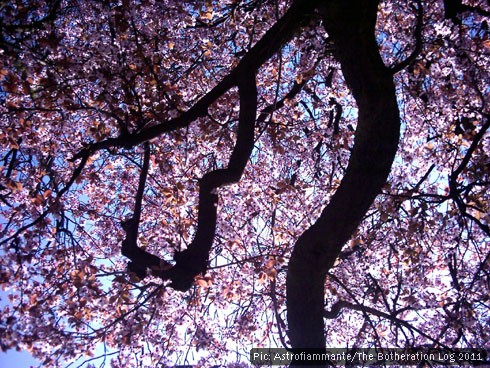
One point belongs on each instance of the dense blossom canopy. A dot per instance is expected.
(160, 159)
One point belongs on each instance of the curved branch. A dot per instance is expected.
(341, 304)
(140, 259)
(194, 259)
(351, 25)
(418, 41)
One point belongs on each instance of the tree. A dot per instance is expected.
(182, 181)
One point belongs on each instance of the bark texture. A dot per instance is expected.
(351, 25)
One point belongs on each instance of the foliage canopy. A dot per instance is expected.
(181, 181)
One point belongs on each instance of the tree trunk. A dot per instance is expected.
(351, 25)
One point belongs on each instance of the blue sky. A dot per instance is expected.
(14, 359)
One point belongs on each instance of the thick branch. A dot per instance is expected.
(351, 25)
(194, 259)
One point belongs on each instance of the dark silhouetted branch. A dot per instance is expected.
(418, 41)
(454, 190)
(140, 260)
(194, 259)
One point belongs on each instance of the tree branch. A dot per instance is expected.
(194, 259)
(454, 192)
(280, 33)
(140, 259)
(418, 41)
(453, 8)
(339, 305)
